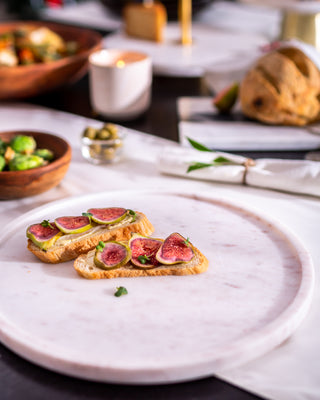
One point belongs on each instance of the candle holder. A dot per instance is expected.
(120, 83)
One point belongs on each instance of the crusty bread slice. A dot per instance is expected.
(57, 254)
(145, 21)
(85, 267)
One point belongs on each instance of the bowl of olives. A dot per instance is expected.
(103, 145)
(31, 163)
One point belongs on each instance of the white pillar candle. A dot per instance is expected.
(120, 83)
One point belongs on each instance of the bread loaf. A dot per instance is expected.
(282, 88)
(145, 21)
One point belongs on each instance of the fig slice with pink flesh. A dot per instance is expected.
(175, 249)
(110, 215)
(144, 250)
(44, 234)
(76, 224)
(111, 255)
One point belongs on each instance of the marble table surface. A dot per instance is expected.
(288, 371)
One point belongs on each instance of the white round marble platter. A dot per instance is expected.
(254, 295)
(209, 46)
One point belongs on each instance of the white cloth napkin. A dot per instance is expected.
(297, 176)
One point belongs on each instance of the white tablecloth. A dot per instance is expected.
(289, 372)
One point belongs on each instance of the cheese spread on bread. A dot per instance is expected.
(73, 237)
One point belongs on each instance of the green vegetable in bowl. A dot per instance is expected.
(21, 153)
(3, 147)
(46, 154)
(2, 163)
(23, 144)
(22, 162)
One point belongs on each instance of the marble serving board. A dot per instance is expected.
(166, 329)
(170, 58)
(200, 121)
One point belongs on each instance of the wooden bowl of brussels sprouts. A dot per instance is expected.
(38, 56)
(31, 163)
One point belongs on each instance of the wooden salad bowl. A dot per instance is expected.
(24, 81)
(18, 184)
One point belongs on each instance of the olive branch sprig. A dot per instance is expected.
(218, 161)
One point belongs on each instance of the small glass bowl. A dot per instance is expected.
(103, 151)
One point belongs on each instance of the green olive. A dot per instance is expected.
(23, 144)
(104, 134)
(95, 149)
(90, 132)
(109, 153)
(22, 162)
(46, 154)
(113, 129)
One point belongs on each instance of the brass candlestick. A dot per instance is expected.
(185, 18)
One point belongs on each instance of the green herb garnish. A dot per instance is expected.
(143, 259)
(120, 291)
(133, 214)
(87, 214)
(100, 246)
(187, 242)
(45, 223)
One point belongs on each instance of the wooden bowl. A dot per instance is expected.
(30, 80)
(18, 184)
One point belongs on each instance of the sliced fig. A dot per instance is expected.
(111, 255)
(73, 224)
(175, 249)
(226, 98)
(44, 234)
(111, 215)
(144, 250)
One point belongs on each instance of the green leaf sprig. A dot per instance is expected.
(100, 246)
(121, 290)
(144, 259)
(133, 214)
(45, 223)
(220, 160)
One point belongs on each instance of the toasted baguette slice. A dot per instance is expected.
(85, 267)
(57, 254)
(145, 21)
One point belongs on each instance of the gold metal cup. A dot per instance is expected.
(302, 26)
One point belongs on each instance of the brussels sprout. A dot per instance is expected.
(2, 163)
(9, 154)
(46, 154)
(22, 162)
(3, 146)
(23, 144)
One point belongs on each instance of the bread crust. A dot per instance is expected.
(86, 268)
(283, 88)
(70, 251)
(145, 21)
